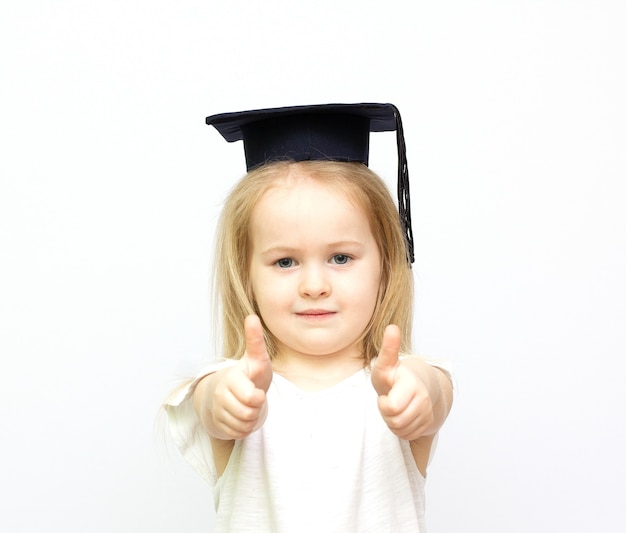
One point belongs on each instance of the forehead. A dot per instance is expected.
(299, 182)
(308, 207)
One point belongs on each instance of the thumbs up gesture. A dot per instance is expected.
(404, 401)
(232, 402)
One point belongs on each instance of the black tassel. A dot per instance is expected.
(404, 196)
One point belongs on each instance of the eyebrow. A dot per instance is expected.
(290, 250)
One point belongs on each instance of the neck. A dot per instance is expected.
(312, 373)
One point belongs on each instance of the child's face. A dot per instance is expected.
(314, 268)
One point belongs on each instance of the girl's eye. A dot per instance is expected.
(285, 262)
(340, 259)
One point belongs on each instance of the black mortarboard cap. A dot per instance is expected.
(335, 132)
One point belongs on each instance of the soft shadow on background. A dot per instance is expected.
(110, 185)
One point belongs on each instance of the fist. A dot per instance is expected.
(238, 403)
(403, 399)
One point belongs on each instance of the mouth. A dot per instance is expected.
(316, 313)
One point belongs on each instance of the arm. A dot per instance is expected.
(438, 387)
(231, 403)
(414, 397)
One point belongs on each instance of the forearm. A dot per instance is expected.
(203, 396)
(438, 386)
(229, 405)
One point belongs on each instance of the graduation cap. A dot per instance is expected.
(332, 132)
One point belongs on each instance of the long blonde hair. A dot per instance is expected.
(232, 289)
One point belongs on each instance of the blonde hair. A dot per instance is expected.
(234, 298)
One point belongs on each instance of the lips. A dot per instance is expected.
(315, 313)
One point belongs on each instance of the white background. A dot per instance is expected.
(111, 183)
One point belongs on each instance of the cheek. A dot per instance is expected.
(254, 292)
(372, 282)
(265, 295)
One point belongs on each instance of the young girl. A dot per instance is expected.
(318, 420)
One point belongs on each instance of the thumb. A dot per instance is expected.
(256, 359)
(384, 371)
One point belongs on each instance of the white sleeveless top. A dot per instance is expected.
(323, 462)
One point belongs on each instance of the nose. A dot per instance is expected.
(314, 283)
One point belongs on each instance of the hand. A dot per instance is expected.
(403, 399)
(236, 397)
